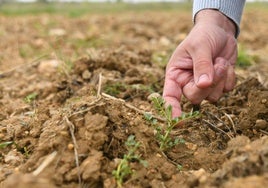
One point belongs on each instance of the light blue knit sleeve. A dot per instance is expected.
(231, 8)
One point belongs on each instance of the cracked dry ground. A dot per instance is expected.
(65, 126)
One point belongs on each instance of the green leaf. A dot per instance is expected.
(148, 116)
(5, 144)
(179, 167)
(144, 163)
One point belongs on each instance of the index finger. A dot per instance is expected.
(172, 95)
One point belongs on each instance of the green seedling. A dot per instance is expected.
(30, 98)
(114, 88)
(123, 169)
(163, 133)
(243, 58)
(160, 58)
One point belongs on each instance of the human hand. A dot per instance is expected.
(202, 66)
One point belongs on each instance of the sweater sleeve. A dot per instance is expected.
(231, 8)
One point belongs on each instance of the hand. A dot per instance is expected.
(202, 66)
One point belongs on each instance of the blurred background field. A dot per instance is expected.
(70, 30)
(80, 7)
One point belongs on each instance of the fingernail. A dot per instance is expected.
(203, 78)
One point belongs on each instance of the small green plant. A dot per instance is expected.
(244, 59)
(160, 58)
(30, 98)
(114, 88)
(123, 169)
(5, 144)
(163, 133)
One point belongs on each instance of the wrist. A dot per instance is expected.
(213, 16)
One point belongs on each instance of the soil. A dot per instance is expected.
(73, 89)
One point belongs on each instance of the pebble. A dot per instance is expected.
(191, 146)
(57, 32)
(70, 146)
(263, 101)
(261, 124)
(48, 67)
(158, 155)
(220, 125)
(13, 158)
(86, 75)
(2, 136)
(164, 41)
(199, 173)
(64, 133)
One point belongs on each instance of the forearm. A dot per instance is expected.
(231, 8)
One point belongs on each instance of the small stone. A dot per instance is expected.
(204, 102)
(13, 158)
(58, 32)
(70, 146)
(199, 173)
(164, 41)
(248, 147)
(220, 125)
(64, 133)
(158, 155)
(2, 136)
(232, 116)
(16, 169)
(261, 124)
(48, 67)
(263, 101)
(153, 95)
(203, 179)
(86, 75)
(191, 146)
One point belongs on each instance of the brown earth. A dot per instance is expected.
(73, 89)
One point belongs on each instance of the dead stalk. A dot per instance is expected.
(232, 122)
(71, 129)
(93, 103)
(216, 129)
(99, 86)
(45, 163)
(264, 132)
(220, 121)
(32, 63)
(130, 106)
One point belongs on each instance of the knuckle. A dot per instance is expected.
(194, 99)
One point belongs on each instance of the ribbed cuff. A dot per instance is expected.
(231, 8)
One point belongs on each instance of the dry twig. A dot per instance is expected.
(93, 103)
(45, 163)
(71, 128)
(130, 106)
(99, 86)
(264, 132)
(32, 63)
(216, 129)
(220, 121)
(232, 122)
